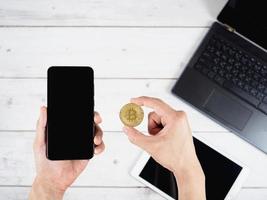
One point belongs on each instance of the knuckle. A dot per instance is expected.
(180, 114)
(157, 99)
(150, 114)
(132, 139)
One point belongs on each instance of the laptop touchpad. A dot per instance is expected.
(227, 109)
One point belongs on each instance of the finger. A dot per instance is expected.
(40, 129)
(137, 138)
(100, 148)
(97, 118)
(154, 123)
(157, 105)
(98, 135)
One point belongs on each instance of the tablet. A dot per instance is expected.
(224, 174)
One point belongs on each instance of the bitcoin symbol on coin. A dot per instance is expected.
(131, 114)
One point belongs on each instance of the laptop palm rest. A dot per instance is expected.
(227, 109)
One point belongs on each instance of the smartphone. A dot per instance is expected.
(70, 113)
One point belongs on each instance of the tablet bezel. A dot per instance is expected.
(141, 162)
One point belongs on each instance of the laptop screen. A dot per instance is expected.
(249, 18)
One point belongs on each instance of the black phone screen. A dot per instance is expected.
(220, 173)
(70, 129)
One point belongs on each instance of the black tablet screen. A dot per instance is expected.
(220, 173)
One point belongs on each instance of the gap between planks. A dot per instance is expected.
(115, 187)
(101, 26)
(96, 78)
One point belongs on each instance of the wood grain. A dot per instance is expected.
(19, 193)
(109, 12)
(20, 100)
(112, 52)
(136, 49)
(112, 168)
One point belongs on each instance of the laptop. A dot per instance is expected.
(226, 79)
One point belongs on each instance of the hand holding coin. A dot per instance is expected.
(131, 114)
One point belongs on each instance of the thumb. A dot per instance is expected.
(137, 138)
(40, 130)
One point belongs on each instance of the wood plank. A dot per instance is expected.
(109, 12)
(253, 193)
(112, 52)
(17, 163)
(20, 100)
(112, 168)
(20, 193)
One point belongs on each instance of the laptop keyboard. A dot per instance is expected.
(235, 70)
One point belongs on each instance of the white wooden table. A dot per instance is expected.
(136, 48)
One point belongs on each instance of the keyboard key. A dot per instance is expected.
(256, 77)
(250, 72)
(216, 61)
(261, 87)
(265, 100)
(231, 61)
(240, 84)
(205, 70)
(198, 66)
(235, 80)
(238, 56)
(223, 64)
(257, 68)
(242, 76)
(221, 72)
(248, 79)
(215, 69)
(219, 80)
(238, 65)
(229, 67)
(207, 55)
(253, 92)
(228, 76)
(211, 74)
(263, 81)
(263, 72)
(244, 60)
(247, 88)
(235, 72)
(241, 93)
(260, 96)
(254, 84)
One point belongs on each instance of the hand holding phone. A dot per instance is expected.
(54, 177)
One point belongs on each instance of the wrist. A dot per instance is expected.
(191, 173)
(42, 190)
(189, 170)
(191, 181)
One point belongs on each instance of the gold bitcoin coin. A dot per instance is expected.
(131, 114)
